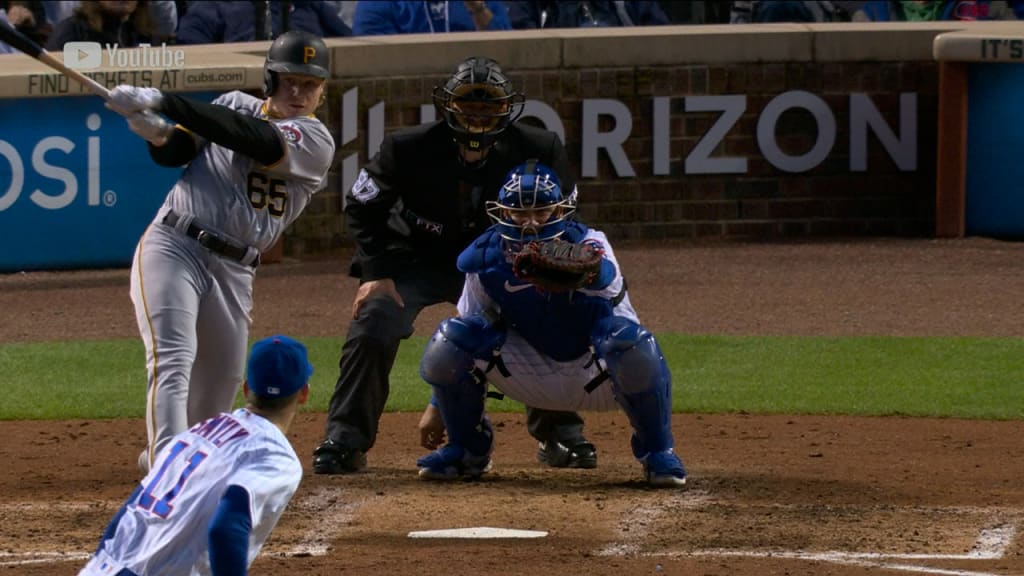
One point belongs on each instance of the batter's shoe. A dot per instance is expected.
(144, 461)
(331, 457)
(580, 454)
(664, 469)
(452, 462)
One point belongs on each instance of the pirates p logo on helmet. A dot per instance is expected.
(295, 52)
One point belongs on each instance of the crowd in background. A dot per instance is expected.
(51, 23)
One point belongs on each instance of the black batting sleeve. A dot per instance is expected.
(246, 135)
(179, 149)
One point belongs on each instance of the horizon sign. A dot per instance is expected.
(864, 117)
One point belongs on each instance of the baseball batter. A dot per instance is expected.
(217, 490)
(556, 347)
(253, 166)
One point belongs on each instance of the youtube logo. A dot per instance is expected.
(82, 55)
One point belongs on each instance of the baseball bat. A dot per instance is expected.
(24, 44)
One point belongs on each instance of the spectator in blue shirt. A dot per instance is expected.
(4, 48)
(429, 16)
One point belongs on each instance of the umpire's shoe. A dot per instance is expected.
(333, 458)
(567, 454)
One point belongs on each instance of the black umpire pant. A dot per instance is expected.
(368, 355)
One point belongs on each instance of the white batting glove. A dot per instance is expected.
(133, 98)
(150, 126)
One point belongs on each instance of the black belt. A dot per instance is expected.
(212, 241)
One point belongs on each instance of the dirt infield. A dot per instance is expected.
(793, 495)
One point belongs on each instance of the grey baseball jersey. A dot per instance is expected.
(193, 305)
(233, 195)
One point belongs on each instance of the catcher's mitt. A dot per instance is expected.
(557, 265)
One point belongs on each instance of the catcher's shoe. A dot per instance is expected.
(578, 454)
(451, 462)
(664, 469)
(331, 457)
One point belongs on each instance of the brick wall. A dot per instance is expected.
(763, 203)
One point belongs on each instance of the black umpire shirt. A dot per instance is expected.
(416, 203)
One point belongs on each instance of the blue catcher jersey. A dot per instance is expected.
(556, 324)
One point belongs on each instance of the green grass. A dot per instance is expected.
(950, 377)
(981, 378)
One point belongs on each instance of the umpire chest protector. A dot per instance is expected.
(440, 204)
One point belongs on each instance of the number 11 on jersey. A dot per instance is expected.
(162, 507)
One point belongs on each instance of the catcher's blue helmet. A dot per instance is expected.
(530, 205)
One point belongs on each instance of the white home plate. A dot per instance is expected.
(478, 532)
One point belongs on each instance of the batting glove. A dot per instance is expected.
(133, 98)
(151, 127)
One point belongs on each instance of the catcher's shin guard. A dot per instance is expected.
(477, 336)
(460, 387)
(640, 379)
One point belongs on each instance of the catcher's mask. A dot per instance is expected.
(295, 52)
(478, 103)
(530, 206)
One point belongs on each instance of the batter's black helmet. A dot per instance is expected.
(478, 102)
(295, 52)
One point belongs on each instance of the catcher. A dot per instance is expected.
(544, 317)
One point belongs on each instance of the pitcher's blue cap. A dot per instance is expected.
(278, 367)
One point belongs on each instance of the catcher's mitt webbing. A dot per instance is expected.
(557, 265)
